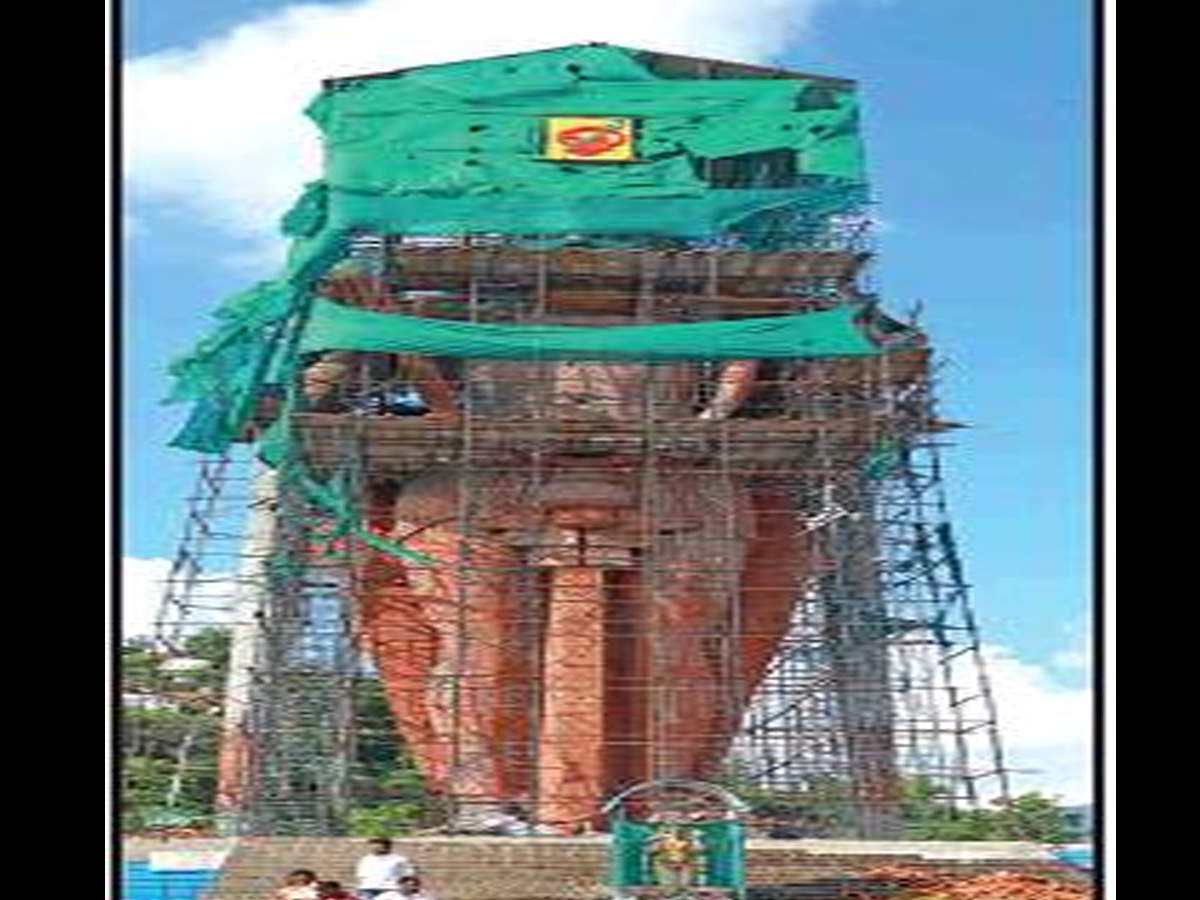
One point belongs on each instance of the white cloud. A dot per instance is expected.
(143, 584)
(1044, 726)
(215, 130)
(1077, 657)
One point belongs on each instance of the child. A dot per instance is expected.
(332, 890)
(299, 884)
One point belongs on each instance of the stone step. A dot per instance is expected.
(496, 868)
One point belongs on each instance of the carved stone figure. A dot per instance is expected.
(585, 623)
(676, 857)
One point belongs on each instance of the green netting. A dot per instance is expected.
(458, 147)
(455, 148)
(883, 459)
(310, 212)
(696, 217)
(337, 499)
(335, 496)
(254, 345)
(333, 326)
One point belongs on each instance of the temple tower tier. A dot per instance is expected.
(586, 448)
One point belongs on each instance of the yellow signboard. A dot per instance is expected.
(589, 138)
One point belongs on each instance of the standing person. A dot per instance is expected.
(299, 884)
(381, 869)
(410, 889)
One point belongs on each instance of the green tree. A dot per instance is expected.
(1033, 817)
(927, 816)
(389, 789)
(822, 806)
(942, 823)
(170, 730)
(826, 808)
(1029, 817)
(170, 737)
(139, 666)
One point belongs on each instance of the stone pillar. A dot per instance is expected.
(235, 765)
(571, 768)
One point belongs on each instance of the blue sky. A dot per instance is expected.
(978, 126)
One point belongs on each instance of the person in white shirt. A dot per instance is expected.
(381, 870)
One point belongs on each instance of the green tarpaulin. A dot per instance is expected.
(456, 149)
(695, 217)
(333, 326)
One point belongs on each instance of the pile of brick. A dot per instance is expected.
(903, 883)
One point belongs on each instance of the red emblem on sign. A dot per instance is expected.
(590, 140)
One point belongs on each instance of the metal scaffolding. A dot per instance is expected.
(739, 571)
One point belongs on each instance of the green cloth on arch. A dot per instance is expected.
(332, 326)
